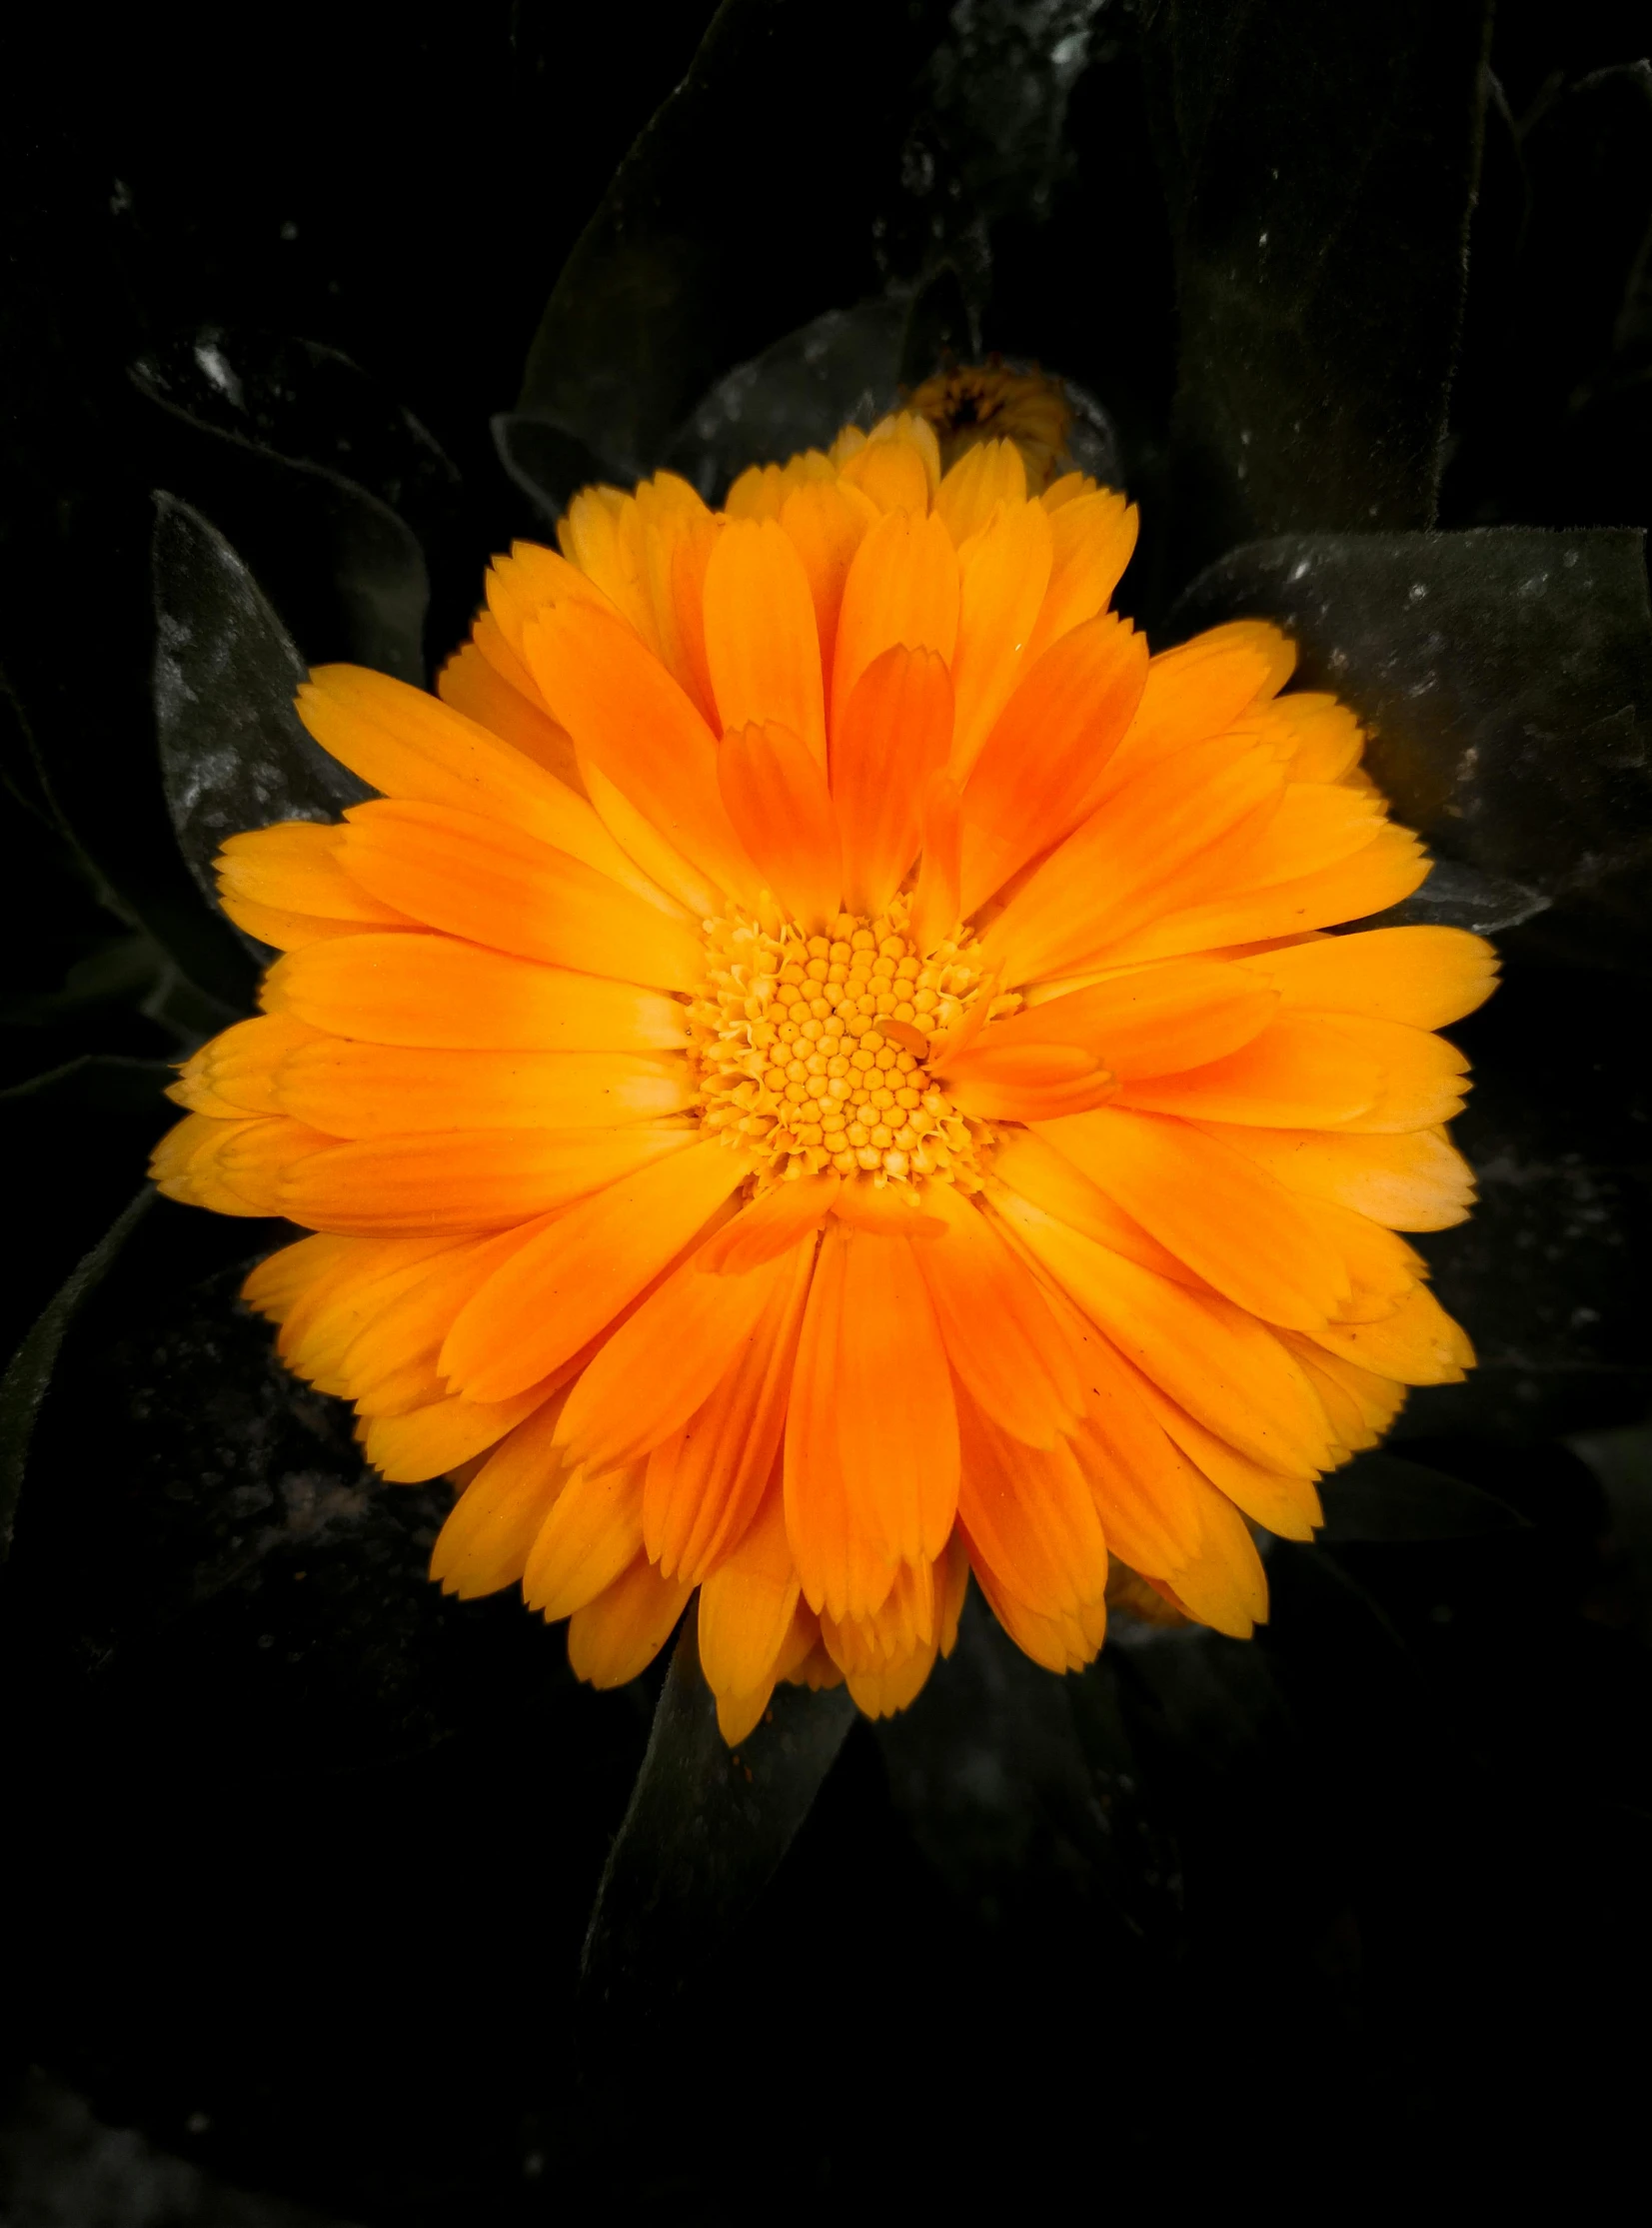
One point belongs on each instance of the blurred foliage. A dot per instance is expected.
(303, 1854)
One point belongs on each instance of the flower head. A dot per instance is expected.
(822, 1071)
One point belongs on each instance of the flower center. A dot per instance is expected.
(812, 1049)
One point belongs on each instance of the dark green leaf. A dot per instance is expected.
(1557, 343)
(548, 465)
(233, 753)
(1546, 1276)
(1384, 1498)
(695, 261)
(100, 1083)
(30, 1373)
(1023, 1793)
(319, 478)
(1506, 676)
(1320, 165)
(841, 369)
(1459, 897)
(705, 1828)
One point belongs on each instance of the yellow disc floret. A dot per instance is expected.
(812, 1049)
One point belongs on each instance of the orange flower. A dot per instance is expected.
(821, 1071)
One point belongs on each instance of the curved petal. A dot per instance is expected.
(492, 884)
(777, 801)
(901, 590)
(706, 1481)
(615, 1638)
(637, 727)
(575, 1278)
(890, 738)
(1038, 775)
(1227, 1218)
(438, 992)
(763, 645)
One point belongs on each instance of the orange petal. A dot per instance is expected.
(1422, 976)
(1225, 1585)
(1000, 1078)
(435, 991)
(1286, 1505)
(897, 465)
(602, 533)
(1025, 1165)
(1001, 1337)
(1201, 686)
(1038, 775)
(615, 1638)
(1224, 1367)
(762, 642)
(1002, 573)
(576, 1275)
(777, 801)
(279, 1282)
(401, 1334)
(835, 1540)
(770, 1226)
(486, 882)
(706, 1481)
(683, 886)
(593, 1533)
(897, 1427)
(801, 1660)
(1411, 1181)
(1387, 868)
(680, 535)
(1058, 1644)
(474, 684)
(1302, 1070)
(887, 1658)
(325, 1321)
(234, 1075)
(1323, 737)
(664, 1362)
(185, 1165)
(1154, 1020)
(429, 1441)
(760, 491)
(465, 1180)
(936, 907)
(902, 589)
(1126, 860)
(825, 524)
(407, 743)
(1093, 537)
(520, 587)
(1231, 1223)
(631, 721)
(365, 1090)
(484, 1543)
(1360, 1405)
(990, 475)
(749, 1604)
(890, 736)
(296, 865)
(1425, 1081)
(1147, 1493)
(1417, 1345)
(1032, 1517)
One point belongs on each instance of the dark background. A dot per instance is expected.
(301, 1857)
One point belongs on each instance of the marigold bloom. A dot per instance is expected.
(821, 1071)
